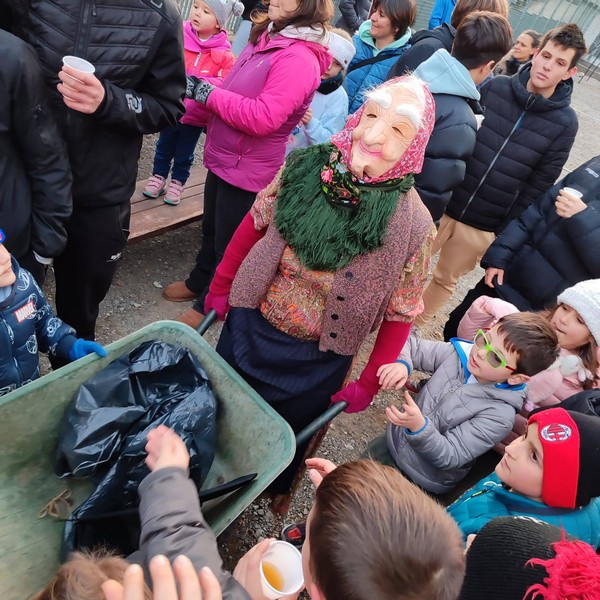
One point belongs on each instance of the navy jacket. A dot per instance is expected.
(541, 253)
(28, 325)
(519, 152)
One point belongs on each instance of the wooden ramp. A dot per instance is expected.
(153, 217)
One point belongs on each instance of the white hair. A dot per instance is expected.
(382, 96)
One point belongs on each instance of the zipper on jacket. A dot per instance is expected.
(197, 59)
(82, 37)
(491, 166)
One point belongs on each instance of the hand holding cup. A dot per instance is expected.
(80, 88)
(569, 202)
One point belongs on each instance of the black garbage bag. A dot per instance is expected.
(104, 430)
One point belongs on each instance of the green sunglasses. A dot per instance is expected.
(492, 356)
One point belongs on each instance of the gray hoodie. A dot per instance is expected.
(172, 524)
(464, 420)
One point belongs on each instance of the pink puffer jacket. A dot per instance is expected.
(262, 99)
(209, 59)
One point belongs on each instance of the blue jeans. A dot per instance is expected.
(176, 146)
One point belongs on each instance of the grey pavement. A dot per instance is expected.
(586, 101)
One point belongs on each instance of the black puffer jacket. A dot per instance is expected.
(520, 150)
(423, 44)
(35, 194)
(136, 47)
(453, 138)
(541, 253)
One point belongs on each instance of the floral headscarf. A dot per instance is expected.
(412, 159)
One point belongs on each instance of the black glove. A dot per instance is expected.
(197, 89)
(190, 84)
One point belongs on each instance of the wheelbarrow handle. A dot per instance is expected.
(208, 320)
(333, 411)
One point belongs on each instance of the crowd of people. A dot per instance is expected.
(340, 162)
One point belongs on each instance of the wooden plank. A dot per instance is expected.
(153, 217)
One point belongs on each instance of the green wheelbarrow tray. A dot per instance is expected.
(252, 438)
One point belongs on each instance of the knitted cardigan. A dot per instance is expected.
(361, 291)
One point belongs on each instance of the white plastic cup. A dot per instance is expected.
(286, 560)
(573, 192)
(79, 64)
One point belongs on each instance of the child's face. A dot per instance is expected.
(522, 467)
(334, 69)
(7, 275)
(479, 364)
(570, 328)
(203, 19)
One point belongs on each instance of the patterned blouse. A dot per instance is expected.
(295, 302)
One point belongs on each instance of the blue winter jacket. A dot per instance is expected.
(360, 80)
(27, 324)
(489, 499)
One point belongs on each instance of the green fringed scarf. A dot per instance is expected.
(323, 236)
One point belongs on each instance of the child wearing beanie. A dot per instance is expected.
(208, 56)
(551, 473)
(576, 320)
(329, 108)
(28, 325)
(519, 558)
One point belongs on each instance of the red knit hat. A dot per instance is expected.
(571, 443)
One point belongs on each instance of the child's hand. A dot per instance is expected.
(83, 347)
(412, 418)
(307, 117)
(166, 449)
(392, 376)
(192, 586)
(318, 469)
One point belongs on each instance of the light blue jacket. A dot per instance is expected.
(441, 13)
(329, 113)
(489, 499)
(359, 81)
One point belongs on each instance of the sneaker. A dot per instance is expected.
(173, 195)
(295, 534)
(155, 187)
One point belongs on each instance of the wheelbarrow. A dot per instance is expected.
(252, 437)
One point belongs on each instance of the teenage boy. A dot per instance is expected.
(551, 473)
(524, 141)
(482, 39)
(468, 405)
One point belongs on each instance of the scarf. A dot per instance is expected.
(324, 235)
(326, 214)
(330, 85)
(316, 33)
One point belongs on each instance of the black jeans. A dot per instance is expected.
(84, 272)
(225, 206)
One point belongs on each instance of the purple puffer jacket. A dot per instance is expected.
(262, 99)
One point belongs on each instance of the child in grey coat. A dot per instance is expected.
(468, 405)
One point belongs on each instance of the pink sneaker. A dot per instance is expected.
(155, 187)
(173, 195)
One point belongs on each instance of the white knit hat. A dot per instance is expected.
(223, 10)
(341, 49)
(584, 297)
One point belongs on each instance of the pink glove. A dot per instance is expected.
(220, 302)
(484, 313)
(356, 395)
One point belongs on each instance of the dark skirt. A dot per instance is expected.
(293, 376)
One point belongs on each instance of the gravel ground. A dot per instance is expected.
(135, 300)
